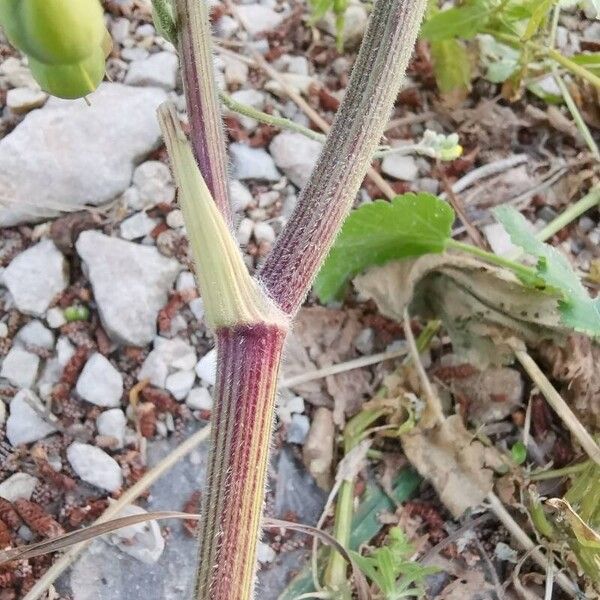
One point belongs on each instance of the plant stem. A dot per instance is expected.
(555, 55)
(577, 117)
(564, 472)
(591, 199)
(207, 136)
(561, 408)
(248, 365)
(517, 268)
(568, 64)
(288, 272)
(273, 120)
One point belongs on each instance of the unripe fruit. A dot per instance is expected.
(72, 80)
(65, 41)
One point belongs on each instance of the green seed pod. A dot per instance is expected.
(71, 80)
(54, 31)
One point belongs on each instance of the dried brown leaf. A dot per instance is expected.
(485, 310)
(575, 365)
(456, 465)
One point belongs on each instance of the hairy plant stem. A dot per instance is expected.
(207, 136)
(249, 351)
(249, 358)
(326, 199)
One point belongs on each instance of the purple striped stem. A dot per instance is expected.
(251, 320)
(204, 113)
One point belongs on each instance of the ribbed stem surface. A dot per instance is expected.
(207, 136)
(326, 199)
(242, 421)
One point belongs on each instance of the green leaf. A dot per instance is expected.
(539, 14)
(500, 60)
(386, 564)
(365, 524)
(590, 61)
(577, 309)
(409, 225)
(464, 22)
(451, 65)
(519, 452)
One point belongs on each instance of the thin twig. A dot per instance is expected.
(561, 408)
(525, 542)
(493, 168)
(459, 209)
(357, 363)
(430, 395)
(138, 488)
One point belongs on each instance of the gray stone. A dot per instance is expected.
(175, 219)
(55, 317)
(244, 232)
(295, 155)
(137, 226)
(19, 485)
(143, 541)
(22, 100)
(400, 167)
(36, 276)
(20, 367)
(112, 422)
(100, 383)
(35, 335)
(241, 197)
(176, 353)
(252, 163)
(258, 18)
(158, 70)
(206, 369)
(296, 491)
(199, 398)
(24, 424)
(154, 369)
(95, 466)
(298, 429)
(180, 383)
(103, 571)
(154, 184)
(131, 283)
(185, 281)
(263, 232)
(70, 154)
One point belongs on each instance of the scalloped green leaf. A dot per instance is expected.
(408, 226)
(577, 309)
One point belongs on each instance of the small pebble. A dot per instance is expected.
(20, 367)
(263, 232)
(244, 232)
(36, 335)
(113, 423)
(95, 466)
(24, 424)
(199, 398)
(180, 383)
(18, 485)
(298, 429)
(100, 383)
(206, 369)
